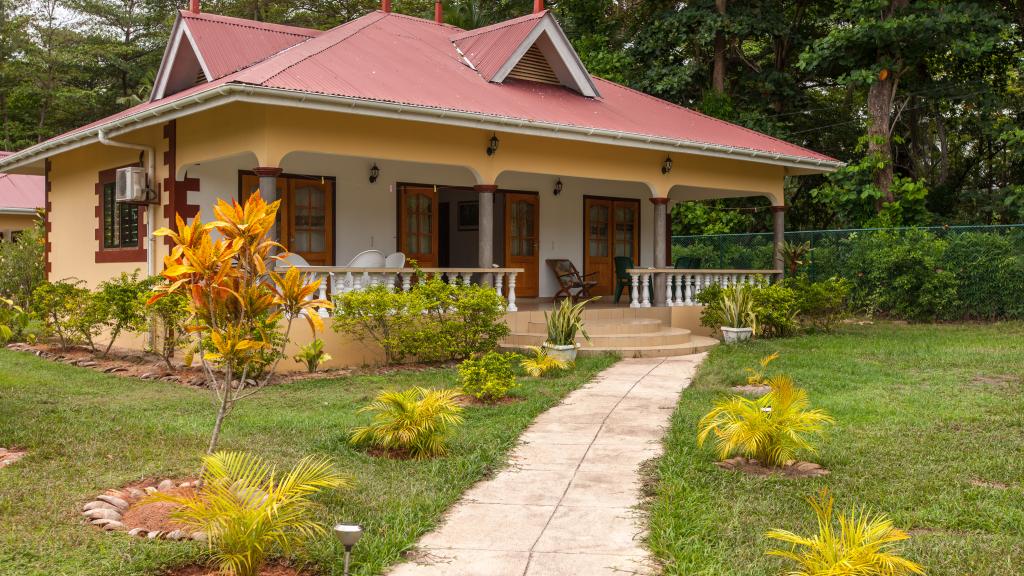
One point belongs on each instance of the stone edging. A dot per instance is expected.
(106, 511)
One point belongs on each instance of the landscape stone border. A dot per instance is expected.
(107, 510)
(755, 468)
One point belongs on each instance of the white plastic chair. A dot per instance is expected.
(396, 260)
(367, 259)
(292, 259)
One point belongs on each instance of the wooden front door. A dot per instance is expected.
(611, 228)
(305, 219)
(522, 241)
(417, 224)
(308, 220)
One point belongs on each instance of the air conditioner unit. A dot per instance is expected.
(130, 186)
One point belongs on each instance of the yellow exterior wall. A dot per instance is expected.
(16, 222)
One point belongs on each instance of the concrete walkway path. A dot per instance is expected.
(566, 505)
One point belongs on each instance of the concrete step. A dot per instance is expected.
(630, 326)
(664, 336)
(696, 345)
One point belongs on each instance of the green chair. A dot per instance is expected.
(687, 263)
(623, 281)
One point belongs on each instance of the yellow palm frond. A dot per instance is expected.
(418, 421)
(541, 362)
(858, 543)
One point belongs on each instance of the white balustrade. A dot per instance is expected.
(682, 286)
(339, 280)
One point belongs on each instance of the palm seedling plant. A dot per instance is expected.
(312, 355)
(738, 313)
(249, 512)
(417, 422)
(771, 429)
(858, 543)
(540, 362)
(564, 322)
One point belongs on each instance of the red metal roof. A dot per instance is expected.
(393, 58)
(230, 44)
(19, 191)
(489, 48)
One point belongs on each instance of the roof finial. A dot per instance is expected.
(438, 12)
(385, 5)
(538, 6)
(193, 6)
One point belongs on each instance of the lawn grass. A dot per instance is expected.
(922, 411)
(87, 431)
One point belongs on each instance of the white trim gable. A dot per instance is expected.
(181, 65)
(549, 38)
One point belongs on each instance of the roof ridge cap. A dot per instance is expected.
(252, 24)
(498, 25)
(419, 20)
(325, 48)
(720, 121)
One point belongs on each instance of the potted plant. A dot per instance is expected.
(563, 324)
(737, 314)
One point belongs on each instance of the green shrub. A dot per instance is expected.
(68, 310)
(23, 266)
(121, 301)
(565, 321)
(820, 305)
(380, 315)
(16, 324)
(432, 322)
(169, 316)
(490, 377)
(775, 308)
(902, 275)
(416, 422)
(987, 269)
(461, 320)
(313, 355)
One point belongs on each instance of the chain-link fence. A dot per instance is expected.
(828, 247)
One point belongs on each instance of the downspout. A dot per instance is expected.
(150, 153)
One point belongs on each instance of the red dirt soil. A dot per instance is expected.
(155, 515)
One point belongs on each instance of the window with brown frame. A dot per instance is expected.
(120, 227)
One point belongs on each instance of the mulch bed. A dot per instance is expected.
(755, 391)
(147, 366)
(754, 468)
(9, 456)
(127, 510)
(270, 570)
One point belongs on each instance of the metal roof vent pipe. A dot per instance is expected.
(438, 12)
(385, 5)
(538, 6)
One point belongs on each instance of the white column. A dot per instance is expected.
(660, 246)
(485, 227)
(634, 295)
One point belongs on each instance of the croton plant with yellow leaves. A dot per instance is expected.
(241, 309)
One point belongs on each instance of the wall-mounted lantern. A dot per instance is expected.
(374, 173)
(492, 147)
(666, 166)
(558, 187)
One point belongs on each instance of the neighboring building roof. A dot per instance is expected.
(412, 67)
(20, 193)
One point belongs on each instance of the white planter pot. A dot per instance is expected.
(565, 353)
(733, 335)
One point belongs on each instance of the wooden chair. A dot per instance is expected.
(573, 284)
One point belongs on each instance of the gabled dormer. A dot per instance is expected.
(532, 48)
(205, 47)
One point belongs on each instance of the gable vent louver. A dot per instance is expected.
(534, 66)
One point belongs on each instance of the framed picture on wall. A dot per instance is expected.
(469, 215)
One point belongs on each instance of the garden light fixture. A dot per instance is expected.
(558, 187)
(666, 166)
(492, 147)
(374, 173)
(348, 535)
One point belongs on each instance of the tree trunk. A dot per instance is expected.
(718, 71)
(879, 108)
